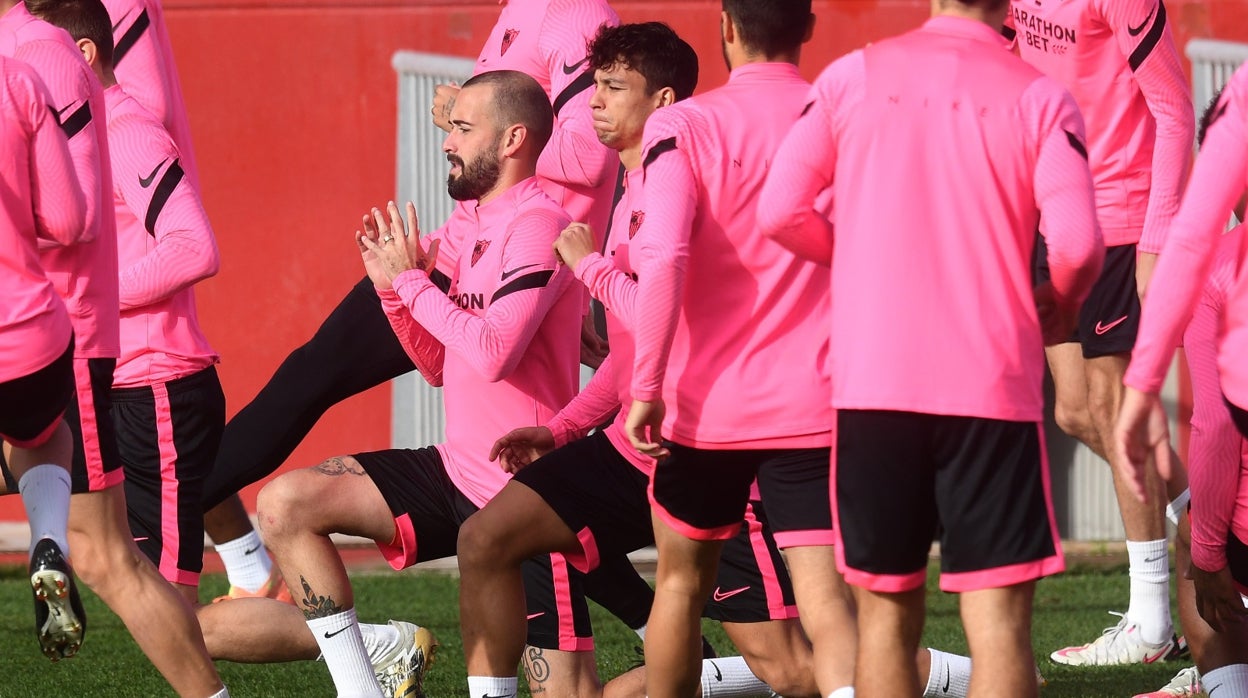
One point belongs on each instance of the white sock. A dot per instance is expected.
(343, 649)
(641, 632)
(1229, 681)
(724, 677)
(247, 563)
(223, 693)
(379, 640)
(45, 494)
(492, 686)
(1150, 589)
(950, 675)
(846, 692)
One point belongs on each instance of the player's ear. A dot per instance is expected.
(665, 97)
(726, 30)
(514, 137)
(89, 51)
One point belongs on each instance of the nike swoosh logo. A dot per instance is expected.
(1102, 329)
(329, 634)
(946, 688)
(1160, 655)
(1135, 31)
(61, 112)
(1154, 559)
(719, 676)
(569, 69)
(146, 182)
(140, 539)
(248, 552)
(721, 595)
(486, 695)
(507, 274)
(531, 616)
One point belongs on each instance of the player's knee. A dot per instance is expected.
(480, 544)
(1074, 420)
(282, 504)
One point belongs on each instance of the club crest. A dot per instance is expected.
(508, 37)
(478, 250)
(634, 223)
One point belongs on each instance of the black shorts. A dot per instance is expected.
(1237, 561)
(168, 435)
(97, 463)
(428, 510)
(797, 490)
(601, 496)
(982, 484)
(702, 494)
(1110, 316)
(31, 406)
(752, 585)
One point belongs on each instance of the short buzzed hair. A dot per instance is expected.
(770, 27)
(518, 99)
(653, 50)
(82, 19)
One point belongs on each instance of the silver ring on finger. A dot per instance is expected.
(387, 238)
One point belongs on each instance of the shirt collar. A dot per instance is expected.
(758, 72)
(965, 28)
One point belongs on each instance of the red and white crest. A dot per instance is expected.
(634, 223)
(508, 37)
(478, 250)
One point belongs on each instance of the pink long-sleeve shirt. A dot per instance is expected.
(85, 274)
(1216, 455)
(1118, 59)
(145, 69)
(1218, 179)
(735, 335)
(508, 317)
(610, 277)
(548, 40)
(165, 245)
(39, 198)
(942, 149)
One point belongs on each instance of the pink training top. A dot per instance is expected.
(934, 312)
(1216, 454)
(509, 320)
(611, 279)
(143, 62)
(39, 196)
(739, 322)
(85, 274)
(548, 39)
(1118, 59)
(1218, 180)
(165, 246)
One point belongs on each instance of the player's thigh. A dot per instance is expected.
(335, 496)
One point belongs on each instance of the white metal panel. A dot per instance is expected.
(416, 415)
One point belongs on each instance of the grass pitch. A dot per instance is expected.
(1070, 609)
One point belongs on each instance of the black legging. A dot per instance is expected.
(1239, 416)
(352, 351)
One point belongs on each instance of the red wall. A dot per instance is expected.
(292, 107)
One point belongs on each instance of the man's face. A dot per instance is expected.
(472, 146)
(621, 106)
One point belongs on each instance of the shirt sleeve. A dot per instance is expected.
(590, 408)
(494, 343)
(1215, 449)
(69, 83)
(151, 182)
(574, 155)
(421, 347)
(1063, 190)
(1143, 33)
(58, 203)
(1218, 180)
(616, 290)
(787, 210)
(663, 252)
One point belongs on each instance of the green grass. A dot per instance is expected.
(1070, 608)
